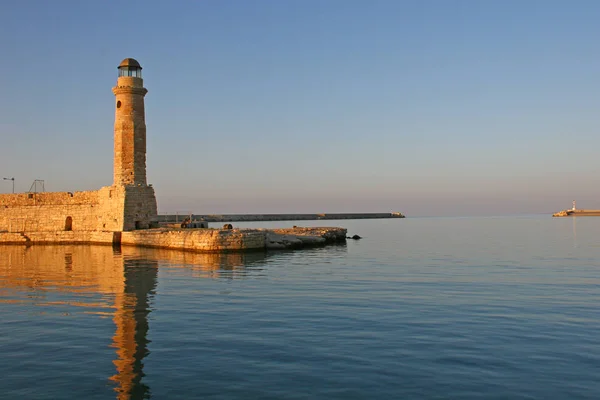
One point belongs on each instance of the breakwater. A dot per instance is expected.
(275, 217)
(577, 213)
(198, 240)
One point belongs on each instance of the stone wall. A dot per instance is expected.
(12, 238)
(112, 208)
(49, 198)
(140, 209)
(197, 240)
(59, 237)
(42, 212)
(205, 240)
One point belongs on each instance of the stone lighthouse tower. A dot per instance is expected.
(130, 125)
(130, 191)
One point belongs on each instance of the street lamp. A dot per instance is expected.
(13, 180)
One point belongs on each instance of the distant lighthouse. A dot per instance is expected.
(130, 126)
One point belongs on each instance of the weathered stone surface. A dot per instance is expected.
(202, 240)
(278, 241)
(130, 132)
(223, 240)
(312, 240)
(112, 208)
(299, 237)
(330, 234)
(12, 238)
(199, 240)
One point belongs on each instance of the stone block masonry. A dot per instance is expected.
(200, 240)
(233, 240)
(46, 212)
(139, 207)
(130, 132)
(112, 208)
(58, 237)
(196, 240)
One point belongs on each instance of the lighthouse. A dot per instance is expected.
(130, 126)
(131, 200)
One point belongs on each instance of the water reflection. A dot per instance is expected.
(132, 306)
(218, 265)
(106, 281)
(574, 231)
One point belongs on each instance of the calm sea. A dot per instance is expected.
(420, 308)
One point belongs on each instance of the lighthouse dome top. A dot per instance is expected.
(130, 62)
(130, 67)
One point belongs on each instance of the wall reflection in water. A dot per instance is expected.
(202, 265)
(123, 280)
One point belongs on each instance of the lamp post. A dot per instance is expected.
(13, 181)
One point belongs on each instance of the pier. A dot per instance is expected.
(574, 212)
(174, 218)
(577, 213)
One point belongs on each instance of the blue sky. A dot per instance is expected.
(424, 107)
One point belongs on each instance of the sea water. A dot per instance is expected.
(423, 308)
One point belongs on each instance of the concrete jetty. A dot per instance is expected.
(174, 218)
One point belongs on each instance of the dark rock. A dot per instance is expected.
(356, 237)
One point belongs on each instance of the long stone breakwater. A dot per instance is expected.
(170, 218)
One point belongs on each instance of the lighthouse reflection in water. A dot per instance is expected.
(50, 290)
